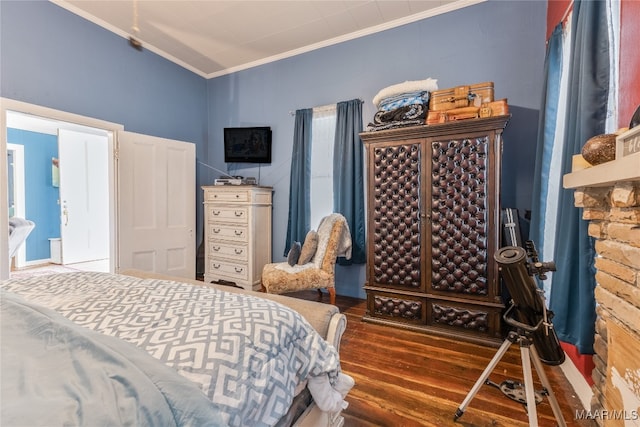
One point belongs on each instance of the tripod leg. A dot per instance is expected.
(545, 383)
(528, 384)
(483, 378)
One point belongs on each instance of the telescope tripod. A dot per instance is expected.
(528, 354)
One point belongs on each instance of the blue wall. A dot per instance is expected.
(54, 58)
(496, 41)
(41, 199)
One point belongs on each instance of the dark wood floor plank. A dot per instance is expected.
(406, 378)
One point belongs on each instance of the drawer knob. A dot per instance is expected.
(239, 251)
(239, 269)
(216, 213)
(239, 232)
(239, 213)
(216, 230)
(237, 196)
(216, 248)
(216, 266)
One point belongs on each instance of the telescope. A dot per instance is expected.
(518, 266)
(532, 330)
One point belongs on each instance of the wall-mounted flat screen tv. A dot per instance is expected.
(247, 145)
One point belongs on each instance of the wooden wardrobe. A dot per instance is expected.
(433, 226)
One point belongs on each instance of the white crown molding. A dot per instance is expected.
(449, 7)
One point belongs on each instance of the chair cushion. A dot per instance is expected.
(280, 277)
(309, 247)
(294, 254)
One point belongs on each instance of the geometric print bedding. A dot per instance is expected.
(247, 354)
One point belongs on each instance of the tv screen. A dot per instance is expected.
(247, 145)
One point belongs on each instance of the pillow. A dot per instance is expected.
(294, 254)
(309, 247)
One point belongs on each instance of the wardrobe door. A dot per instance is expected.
(463, 235)
(396, 216)
(459, 214)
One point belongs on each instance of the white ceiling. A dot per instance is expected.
(216, 37)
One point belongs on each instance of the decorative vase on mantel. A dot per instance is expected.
(600, 149)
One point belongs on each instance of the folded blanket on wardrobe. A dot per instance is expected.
(410, 115)
(404, 99)
(427, 85)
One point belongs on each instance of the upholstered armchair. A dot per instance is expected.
(312, 270)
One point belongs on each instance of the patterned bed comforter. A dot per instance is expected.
(247, 354)
(57, 373)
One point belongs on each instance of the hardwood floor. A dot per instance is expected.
(406, 378)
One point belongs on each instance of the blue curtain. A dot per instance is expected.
(572, 290)
(300, 180)
(546, 139)
(348, 175)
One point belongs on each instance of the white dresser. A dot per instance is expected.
(237, 221)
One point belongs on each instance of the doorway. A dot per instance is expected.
(140, 167)
(65, 191)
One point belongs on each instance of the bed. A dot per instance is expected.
(137, 348)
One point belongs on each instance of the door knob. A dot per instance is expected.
(65, 213)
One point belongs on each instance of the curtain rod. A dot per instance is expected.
(323, 107)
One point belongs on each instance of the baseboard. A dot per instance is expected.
(578, 382)
(35, 262)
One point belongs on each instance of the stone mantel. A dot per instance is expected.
(624, 169)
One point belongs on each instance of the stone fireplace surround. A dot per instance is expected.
(609, 195)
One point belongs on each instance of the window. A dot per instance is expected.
(312, 176)
(323, 129)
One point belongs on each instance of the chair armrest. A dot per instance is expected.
(337, 326)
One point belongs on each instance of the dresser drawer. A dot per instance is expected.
(227, 196)
(224, 250)
(237, 215)
(230, 270)
(227, 232)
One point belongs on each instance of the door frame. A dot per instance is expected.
(19, 194)
(11, 105)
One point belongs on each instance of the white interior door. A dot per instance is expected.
(84, 196)
(156, 205)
